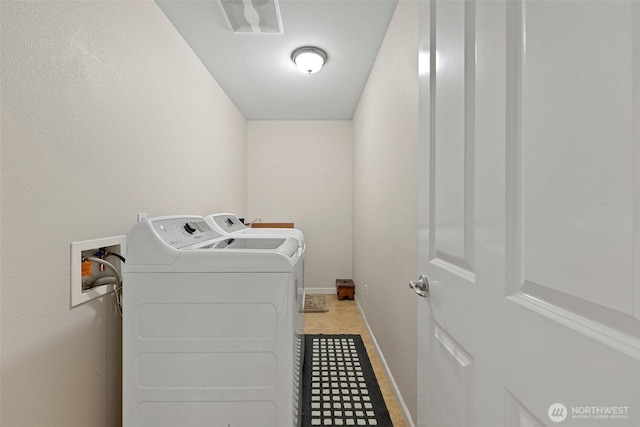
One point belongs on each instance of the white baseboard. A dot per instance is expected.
(396, 391)
(319, 291)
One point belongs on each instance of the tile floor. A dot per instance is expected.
(344, 317)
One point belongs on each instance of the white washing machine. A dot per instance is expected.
(229, 224)
(210, 327)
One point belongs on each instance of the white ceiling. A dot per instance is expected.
(256, 71)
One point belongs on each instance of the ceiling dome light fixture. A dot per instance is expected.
(309, 59)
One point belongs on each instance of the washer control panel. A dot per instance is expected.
(181, 232)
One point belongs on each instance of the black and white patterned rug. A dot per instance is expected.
(339, 385)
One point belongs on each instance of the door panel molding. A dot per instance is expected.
(454, 265)
(607, 317)
(451, 397)
(513, 149)
(455, 250)
(613, 338)
(455, 349)
(614, 326)
(517, 414)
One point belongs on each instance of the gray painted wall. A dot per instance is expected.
(385, 208)
(106, 112)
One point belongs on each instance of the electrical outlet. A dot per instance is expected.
(366, 293)
(92, 271)
(141, 216)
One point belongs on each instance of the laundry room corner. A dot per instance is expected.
(300, 172)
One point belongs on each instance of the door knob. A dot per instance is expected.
(421, 287)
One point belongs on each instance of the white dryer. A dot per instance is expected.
(210, 327)
(229, 224)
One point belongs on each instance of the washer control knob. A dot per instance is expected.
(189, 228)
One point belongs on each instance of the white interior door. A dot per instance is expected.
(529, 213)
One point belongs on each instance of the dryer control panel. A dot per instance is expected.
(182, 232)
(228, 222)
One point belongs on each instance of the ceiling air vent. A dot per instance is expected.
(252, 16)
